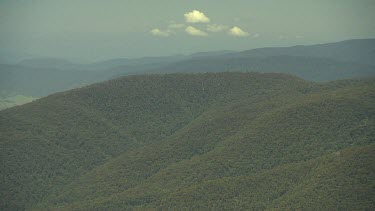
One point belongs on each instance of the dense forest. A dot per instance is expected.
(233, 141)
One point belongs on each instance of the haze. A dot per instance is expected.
(96, 30)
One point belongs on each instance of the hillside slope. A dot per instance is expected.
(309, 68)
(323, 62)
(356, 50)
(195, 141)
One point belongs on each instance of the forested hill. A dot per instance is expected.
(233, 141)
(324, 62)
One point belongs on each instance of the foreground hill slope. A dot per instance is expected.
(229, 140)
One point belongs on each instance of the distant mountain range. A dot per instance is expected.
(213, 141)
(323, 62)
(358, 51)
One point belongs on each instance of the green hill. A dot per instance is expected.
(196, 141)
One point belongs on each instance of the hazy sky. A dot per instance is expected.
(101, 29)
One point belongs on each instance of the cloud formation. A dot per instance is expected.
(238, 32)
(195, 32)
(196, 16)
(216, 27)
(160, 33)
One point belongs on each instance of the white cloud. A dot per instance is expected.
(256, 35)
(176, 25)
(195, 32)
(238, 32)
(216, 27)
(160, 33)
(196, 16)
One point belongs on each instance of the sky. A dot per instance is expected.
(92, 30)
